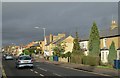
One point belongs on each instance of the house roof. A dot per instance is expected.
(109, 32)
(36, 44)
(106, 33)
(59, 40)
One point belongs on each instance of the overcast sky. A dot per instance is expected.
(20, 18)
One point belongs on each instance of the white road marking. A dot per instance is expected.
(56, 74)
(42, 69)
(31, 69)
(86, 71)
(35, 72)
(41, 75)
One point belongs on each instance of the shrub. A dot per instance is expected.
(90, 60)
(112, 53)
(76, 58)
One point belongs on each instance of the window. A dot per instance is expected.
(25, 58)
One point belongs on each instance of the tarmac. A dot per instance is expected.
(104, 71)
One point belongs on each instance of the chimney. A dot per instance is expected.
(113, 24)
(51, 37)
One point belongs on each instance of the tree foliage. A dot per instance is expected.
(94, 41)
(26, 52)
(76, 46)
(112, 53)
(58, 50)
(77, 53)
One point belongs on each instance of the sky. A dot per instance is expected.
(20, 18)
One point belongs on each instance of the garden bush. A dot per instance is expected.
(76, 58)
(90, 60)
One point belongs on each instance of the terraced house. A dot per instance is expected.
(53, 41)
(106, 38)
(50, 42)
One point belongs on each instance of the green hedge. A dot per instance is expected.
(90, 60)
(76, 58)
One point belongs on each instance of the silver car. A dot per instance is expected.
(8, 57)
(24, 61)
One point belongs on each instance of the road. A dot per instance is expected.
(43, 70)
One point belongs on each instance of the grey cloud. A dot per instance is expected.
(19, 19)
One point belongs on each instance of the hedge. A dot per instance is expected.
(75, 58)
(90, 60)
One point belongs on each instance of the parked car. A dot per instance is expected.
(4, 55)
(24, 61)
(8, 57)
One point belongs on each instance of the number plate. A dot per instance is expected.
(25, 61)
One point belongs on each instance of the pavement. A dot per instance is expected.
(102, 71)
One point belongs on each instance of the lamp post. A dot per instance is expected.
(44, 36)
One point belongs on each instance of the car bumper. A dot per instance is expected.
(25, 65)
(8, 58)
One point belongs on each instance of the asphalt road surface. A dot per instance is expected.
(45, 70)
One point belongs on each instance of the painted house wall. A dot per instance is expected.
(103, 42)
(84, 44)
(119, 42)
(69, 44)
(109, 41)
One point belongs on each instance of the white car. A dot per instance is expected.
(24, 61)
(8, 57)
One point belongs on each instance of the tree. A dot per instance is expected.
(58, 50)
(76, 46)
(94, 41)
(76, 56)
(112, 53)
(26, 52)
(68, 54)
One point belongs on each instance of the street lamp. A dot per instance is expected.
(44, 35)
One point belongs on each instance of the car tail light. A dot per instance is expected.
(32, 60)
(18, 60)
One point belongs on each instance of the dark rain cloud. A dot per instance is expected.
(19, 19)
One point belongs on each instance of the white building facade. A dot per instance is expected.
(84, 46)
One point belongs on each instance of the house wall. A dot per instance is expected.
(42, 45)
(55, 38)
(109, 41)
(69, 47)
(119, 42)
(69, 44)
(84, 44)
(61, 35)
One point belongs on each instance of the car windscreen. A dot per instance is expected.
(25, 58)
